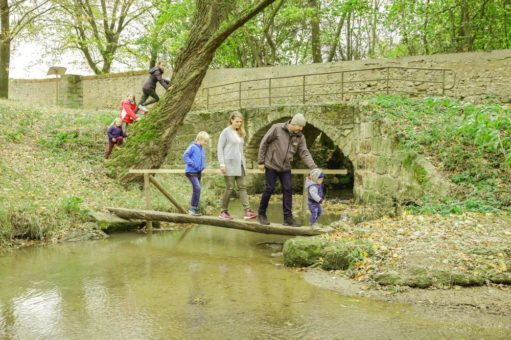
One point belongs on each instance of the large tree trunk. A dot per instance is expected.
(5, 49)
(315, 32)
(150, 140)
(5, 57)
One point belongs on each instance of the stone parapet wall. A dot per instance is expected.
(475, 77)
(37, 91)
(44, 91)
(107, 91)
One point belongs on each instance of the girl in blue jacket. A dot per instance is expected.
(195, 160)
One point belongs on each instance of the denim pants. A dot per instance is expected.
(315, 210)
(194, 178)
(287, 197)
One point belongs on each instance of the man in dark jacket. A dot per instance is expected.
(149, 89)
(276, 153)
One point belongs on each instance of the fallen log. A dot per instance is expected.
(150, 215)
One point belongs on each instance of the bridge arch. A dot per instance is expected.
(381, 170)
(326, 152)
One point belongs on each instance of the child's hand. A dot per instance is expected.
(114, 140)
(222, 168)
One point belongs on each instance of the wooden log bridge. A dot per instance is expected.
(151, 215)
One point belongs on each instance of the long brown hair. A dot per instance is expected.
(241, 131)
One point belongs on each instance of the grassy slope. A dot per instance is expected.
(51, 162)
(51, 171)
(470, 144)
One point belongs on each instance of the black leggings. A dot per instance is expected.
(146, 94)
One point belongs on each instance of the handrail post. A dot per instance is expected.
(239, 94)
(207, 98)
(147, 194)
(304, 200)
(443, 82)
(303, 89)
(269, 92)
(388, 76)
(342, 86)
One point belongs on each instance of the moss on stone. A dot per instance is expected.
(423, 278)
(419, 173)
(450, 278)
(502, 278)
(409, 159)
(303, 251)
(418, 278)
(389, 278)
(331, 255)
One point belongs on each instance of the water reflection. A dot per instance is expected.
(215, 283)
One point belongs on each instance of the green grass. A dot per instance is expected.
(470, 144)
(52, 172)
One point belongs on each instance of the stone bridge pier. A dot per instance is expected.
(365, 143)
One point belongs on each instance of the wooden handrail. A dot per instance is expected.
(248, 171)
(149, 179)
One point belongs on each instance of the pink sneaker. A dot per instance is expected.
(224, 215)
(249, 214)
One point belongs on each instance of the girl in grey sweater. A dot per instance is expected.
(232, 164)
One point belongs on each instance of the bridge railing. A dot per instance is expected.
(328, 87)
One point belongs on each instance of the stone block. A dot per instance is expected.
(366, 130)
(365, 146)
(382, 164)
(365, 162)
(386, 185)
(382, 146)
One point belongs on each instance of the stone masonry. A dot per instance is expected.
(383, 172)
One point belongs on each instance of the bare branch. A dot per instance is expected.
(220, 37)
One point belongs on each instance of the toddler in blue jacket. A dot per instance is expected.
(195, 160)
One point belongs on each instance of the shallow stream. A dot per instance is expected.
(215, 283)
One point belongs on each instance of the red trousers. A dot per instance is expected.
(118, 142)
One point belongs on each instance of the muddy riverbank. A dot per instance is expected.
(487, 306)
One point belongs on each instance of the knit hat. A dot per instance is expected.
(316, 174)
(298, 119)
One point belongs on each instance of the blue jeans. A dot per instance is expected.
(194, 178)
(287, 197)
(315, 210)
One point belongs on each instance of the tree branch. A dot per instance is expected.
(220, 37)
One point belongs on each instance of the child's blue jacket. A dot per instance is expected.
(195, 158)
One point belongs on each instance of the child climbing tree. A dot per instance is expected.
(149, 142)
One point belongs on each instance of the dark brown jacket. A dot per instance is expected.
(278, 147)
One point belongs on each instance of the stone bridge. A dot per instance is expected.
(339, 136)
